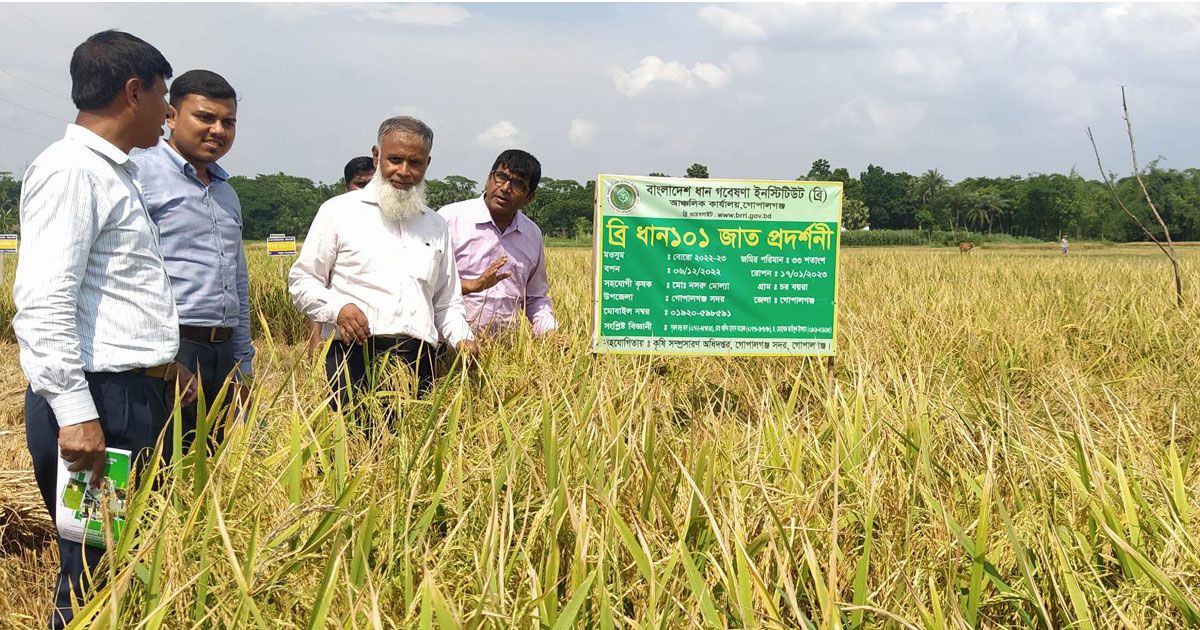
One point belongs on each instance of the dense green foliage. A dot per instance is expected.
(1040, 206)
(10, 196)
(280, 203)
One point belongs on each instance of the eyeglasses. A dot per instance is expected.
(516, 185)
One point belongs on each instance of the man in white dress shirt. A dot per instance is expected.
(355, 176)
(95, 321)
(377, 269)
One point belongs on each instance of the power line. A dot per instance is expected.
(28, 133)
(27, 81)
(14, 9)
(30, 109)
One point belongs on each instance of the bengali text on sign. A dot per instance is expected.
(725, 267)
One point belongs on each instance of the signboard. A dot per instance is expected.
(8, 243)
(281, 245)
(715, 267)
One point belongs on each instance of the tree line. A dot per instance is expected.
(1042, 206)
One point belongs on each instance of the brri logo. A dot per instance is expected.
(623, 197)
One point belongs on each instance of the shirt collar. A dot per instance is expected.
(185, 167)
(95, 142)
(367, 193)
(481, 215)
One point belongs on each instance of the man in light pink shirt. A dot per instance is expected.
(499, 252)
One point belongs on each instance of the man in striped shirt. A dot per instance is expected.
(95, 321)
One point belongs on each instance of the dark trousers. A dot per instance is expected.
(133, 412)
(347, 366)
(212, 362)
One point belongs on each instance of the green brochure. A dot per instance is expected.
(83, 509)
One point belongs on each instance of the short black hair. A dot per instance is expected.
(522, 164)
(102, 64)
(204, 83)
(362, 164)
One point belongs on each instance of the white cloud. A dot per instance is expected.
(733, 23)
(876, 124)
(582, 132)
(825, 24)
(993, 89)
(714, 77)
(1161, 28)
(746, 60)
(904, 61)
(501, 135)
(992, 27)
(652, 70)
(938, 70)
(418, 14)
(411, 110)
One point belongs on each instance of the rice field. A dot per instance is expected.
(1007, 439)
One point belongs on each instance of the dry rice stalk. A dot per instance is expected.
(23, 519)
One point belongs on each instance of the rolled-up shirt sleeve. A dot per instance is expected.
(60, 218)
(537, 299)
(243, 353)
(308, 280)
(449, 313)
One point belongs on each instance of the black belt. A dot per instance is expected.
(204, 333)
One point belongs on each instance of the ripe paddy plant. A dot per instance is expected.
(1006, 439)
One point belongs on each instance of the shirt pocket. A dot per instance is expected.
(420, 263)
(514, 285)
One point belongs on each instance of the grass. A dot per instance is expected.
(1007, 439)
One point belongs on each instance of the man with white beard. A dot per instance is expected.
(378, 271)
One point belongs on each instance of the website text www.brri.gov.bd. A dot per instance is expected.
(692, 214)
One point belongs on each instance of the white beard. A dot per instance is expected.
(398, 206)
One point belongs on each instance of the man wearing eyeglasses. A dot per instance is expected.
(499, 251)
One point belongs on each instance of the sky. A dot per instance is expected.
(750, 90)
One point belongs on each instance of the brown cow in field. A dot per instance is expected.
(966, 247)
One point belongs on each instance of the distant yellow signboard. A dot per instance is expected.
(8, 243)
(281, 245)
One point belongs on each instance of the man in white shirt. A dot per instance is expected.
(377, 269)
(95, 321)
(355, 176)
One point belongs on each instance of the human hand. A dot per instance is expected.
(314, 339)
(469, 352)
(188, 385)
(555, 340)
(488, 279)
(353, 325)
(82, 447)
(241, 394)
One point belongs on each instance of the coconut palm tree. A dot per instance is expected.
(930, 187)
